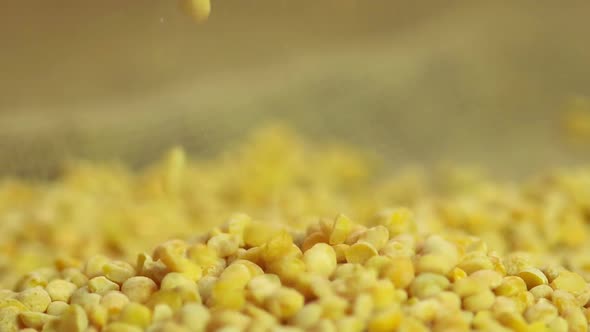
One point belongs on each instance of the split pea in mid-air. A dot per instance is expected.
(199, 10)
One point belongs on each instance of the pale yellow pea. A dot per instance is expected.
(98, 315)
(75, 276)
(533, 277)
(349, 324)
(261, 319)
(510, 286)
(360, 252)
(333, 306)
(468, 286)
(425, 310)
(9, 319)
(162, 312)
(118, 271)
(559, 324)
(313, 239)
(238, 274)
(570, 282)
(205, 285)
(475, 261)
(354, 235)
(254, 269)
(281, 247)
(256, 234)
(342, 227)
(84, 298)
(576, 319)
(167, 326)
(170, 298)
(223, 244)
(512, 320)
(35, 319)
(288, 269)
(484, 321)
(435, 263)
(173, 254)
(396, 248)
(412, 324)
(542, 291)
(74, 319)
(308, 316)
(387, 320)
(203, 255)
(101, 285)
(121, 327)
(399, 220)
(31, 280)
(454, 321)
(324, 325)
(135, 314)
(57, 308)
(284, 302)
(237, 224)
(488, 278)
(400, 271)
(449, 300)
(320, 259)
(378, 263)
(363, 306)
(482, 300)
(199, 10)
(147, 267)
(517, 262)
(94, 266)
(313, 286)
(114, 301)
(504, 303)
(377, 236)
(383, 293)
(542, 311)
(36, 299)
(227, 295)
(437, 245)
(182, 285)
(138, 289)
(229, 319)
(60, 290)
(194, 315)
(428, 284)
(11, 302)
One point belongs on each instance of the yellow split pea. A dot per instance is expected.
(199, 10)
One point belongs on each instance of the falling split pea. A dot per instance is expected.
(199, 10)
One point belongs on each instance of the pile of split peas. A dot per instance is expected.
(326, 245)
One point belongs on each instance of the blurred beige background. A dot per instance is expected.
(472, 82)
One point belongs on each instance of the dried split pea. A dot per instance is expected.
(360, 252)
(35, 299)
(138, 288)
(101, 285)
(320, 259)
(199, 10)
(533, 277)
(60, 290)
(284, 303)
